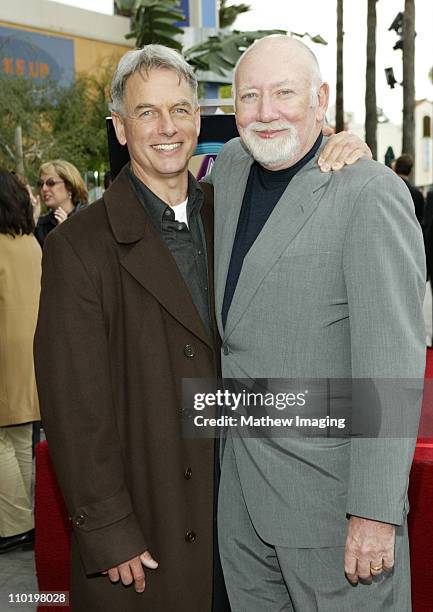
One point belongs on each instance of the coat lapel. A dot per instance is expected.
(146, 257)
(207, 215)
(295, 206)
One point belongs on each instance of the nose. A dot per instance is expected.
(267, 111)
(167, 127)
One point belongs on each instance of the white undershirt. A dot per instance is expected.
(180, 212)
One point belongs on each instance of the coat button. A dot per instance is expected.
(226, 349)
(188, 473)
(190, 536)
(189, 350)
(79, 520)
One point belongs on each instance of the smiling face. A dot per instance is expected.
(160, 124)
(279, 113)
(54, 191)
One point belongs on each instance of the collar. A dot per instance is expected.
(127, 219)
(155, 207)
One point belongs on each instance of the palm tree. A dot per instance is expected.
(370, 81)
(339, 102)
(409, 78)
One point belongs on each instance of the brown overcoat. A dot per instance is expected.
(117, 332)
(20, 282)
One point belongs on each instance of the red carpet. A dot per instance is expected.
(52, 528)
(420, 519)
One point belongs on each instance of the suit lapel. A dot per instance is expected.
(147, 258)
(294, 208)
(229, 205)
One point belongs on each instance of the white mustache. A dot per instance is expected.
(257, 126)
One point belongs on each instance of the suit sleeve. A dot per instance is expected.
(74, 386)
(384, 267)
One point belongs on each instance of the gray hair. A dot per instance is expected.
(315, 75)
(150, 57)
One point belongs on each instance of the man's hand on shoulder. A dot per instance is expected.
(342, 149)
(132, 571)
(369, 549)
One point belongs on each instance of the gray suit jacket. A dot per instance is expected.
(332, 287)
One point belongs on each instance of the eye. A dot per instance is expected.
(145, 113)
(285, 92)
(179, 110)
(247, 97)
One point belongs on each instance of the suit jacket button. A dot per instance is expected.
(188, 473)
(190, 536)
(189, 350)
(79, 520)
(226, 349)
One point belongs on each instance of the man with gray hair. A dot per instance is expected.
(126, 313)
(317, 277)
(124, 316)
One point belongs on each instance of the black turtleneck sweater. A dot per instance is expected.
(263, 191)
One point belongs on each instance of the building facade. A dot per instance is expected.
(41, 40)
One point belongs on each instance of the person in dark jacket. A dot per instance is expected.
(403, 167)
(63, 192)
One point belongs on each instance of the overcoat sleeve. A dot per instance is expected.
(384, 268)
(75, 391)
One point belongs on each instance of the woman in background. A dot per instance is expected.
(63, 192)
(20, 274)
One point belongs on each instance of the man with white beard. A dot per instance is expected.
(318, 277)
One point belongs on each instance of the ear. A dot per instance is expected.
(323, 100)
(119, 128)
(197, 119)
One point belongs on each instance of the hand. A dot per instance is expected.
(60, 215)
(36, 204)
(369, 544)
(342, 149)
(132, 571)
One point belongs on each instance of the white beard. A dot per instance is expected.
(271, 151)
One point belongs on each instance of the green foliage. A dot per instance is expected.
(153, 21)
(125, 7)
(229, 14)
(66, 123)
(26, 104)
(315, 39)
(219, 54)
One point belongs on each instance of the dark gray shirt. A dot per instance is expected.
(187, 245)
